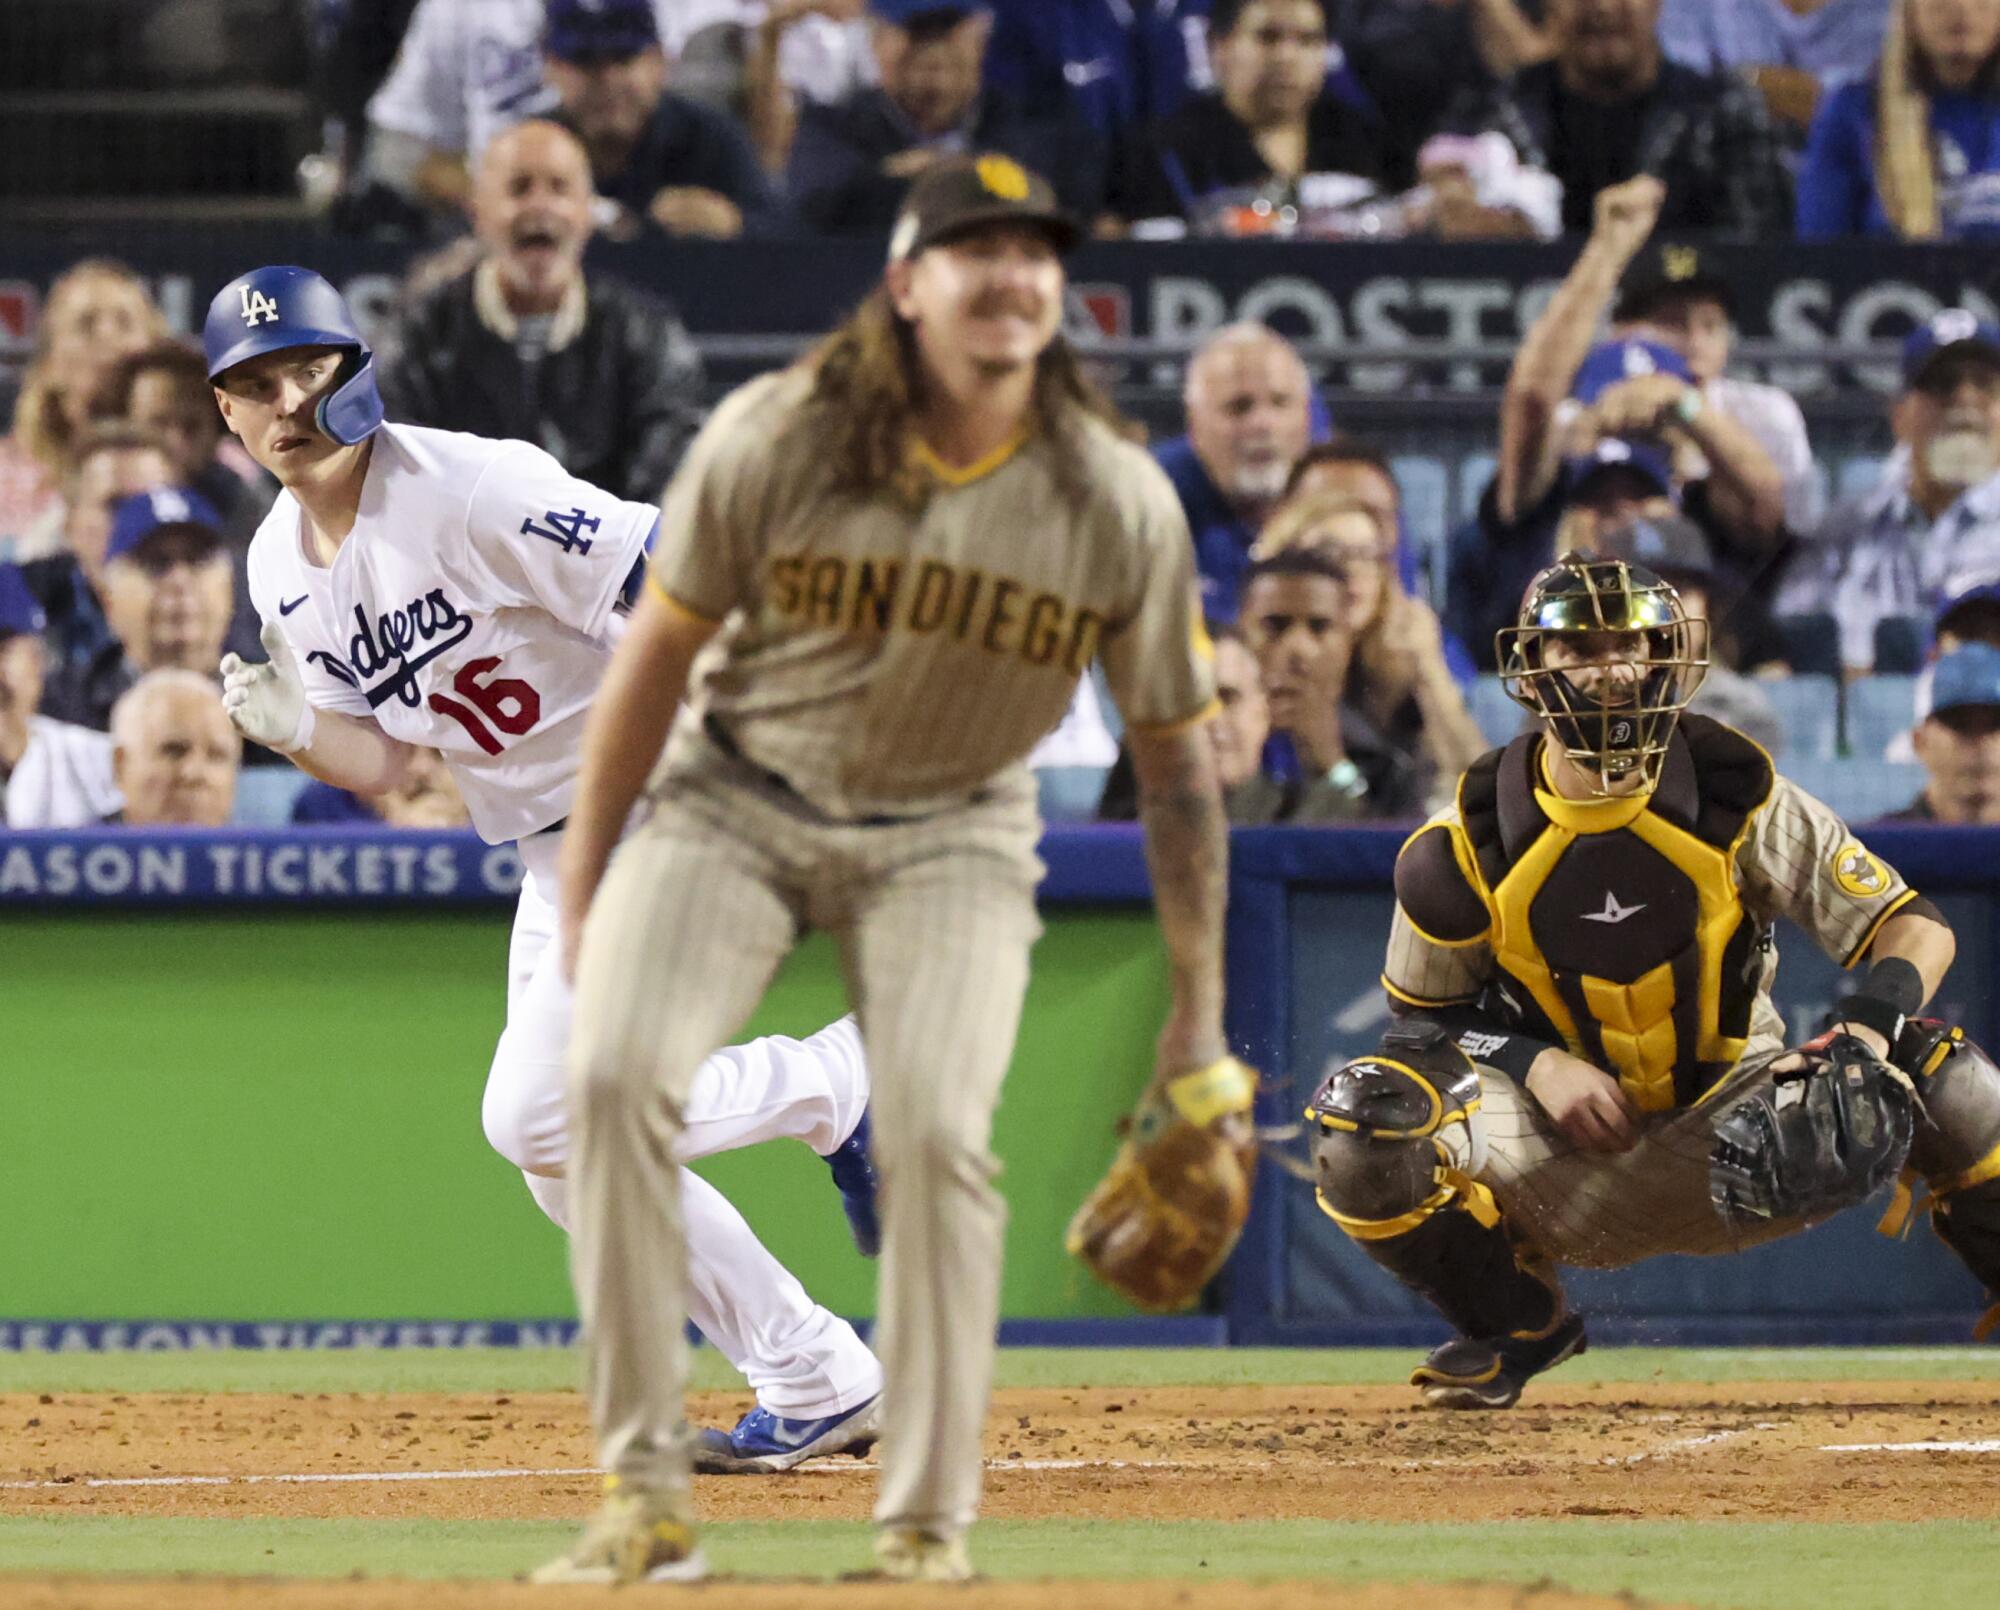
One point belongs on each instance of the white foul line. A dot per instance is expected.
(314, 1478)
(841, 1467)
(322, 1476)
(1707, 1439)
(1989, 1446)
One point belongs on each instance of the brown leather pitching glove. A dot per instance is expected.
(1166, 1215)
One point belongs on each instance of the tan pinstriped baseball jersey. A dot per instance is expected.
(1787, 856)
(884, 661)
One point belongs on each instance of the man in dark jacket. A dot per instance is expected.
(668, 162)
(596, 372)
(1608, 106)
(1272, 123)
(853, 162)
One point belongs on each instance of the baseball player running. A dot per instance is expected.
(900, 555)
(425, 589)
(1588, 1067)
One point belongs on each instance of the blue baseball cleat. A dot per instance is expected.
(854, 1174)
(763, 1443)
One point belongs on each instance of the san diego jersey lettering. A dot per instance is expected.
(469, 611)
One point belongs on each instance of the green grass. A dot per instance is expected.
(532, 1370)
(1733, 1566)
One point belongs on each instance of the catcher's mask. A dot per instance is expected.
(1605, 653)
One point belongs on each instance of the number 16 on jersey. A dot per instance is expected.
(504, 703)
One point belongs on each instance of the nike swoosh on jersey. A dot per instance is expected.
(286, 609)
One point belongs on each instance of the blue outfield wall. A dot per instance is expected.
(1308, 916)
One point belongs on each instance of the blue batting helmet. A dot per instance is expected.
(271, 309)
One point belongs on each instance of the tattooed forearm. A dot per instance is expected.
(1187, 853)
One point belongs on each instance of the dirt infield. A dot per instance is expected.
(1209, 1453)
(1783, 1451)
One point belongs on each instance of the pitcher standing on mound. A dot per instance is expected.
(906, 549)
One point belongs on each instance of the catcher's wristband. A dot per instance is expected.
(1892, 990)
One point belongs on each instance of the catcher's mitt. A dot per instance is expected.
(1812, 1140)
(1164, 1217)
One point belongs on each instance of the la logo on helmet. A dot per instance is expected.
(257, 307)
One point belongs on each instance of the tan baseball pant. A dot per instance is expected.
(934, 920)
(1604, 1210)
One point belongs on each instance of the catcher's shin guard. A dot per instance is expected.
(1956, 1149)
(1396, 1147)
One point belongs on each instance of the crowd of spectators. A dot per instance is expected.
(1347, 695)
(1463, 119)
(1352, 681)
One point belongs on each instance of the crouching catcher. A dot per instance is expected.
(1587, 1067)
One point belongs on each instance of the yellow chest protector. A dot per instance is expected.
(1616, 924)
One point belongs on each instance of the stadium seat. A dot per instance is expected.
(1901, 643)
(1878, 709)
(265, 794)
(1811, 643)
(1423, 486)
(1499, 717)
(1809, 710)
(1859, 790)
(1473, 473)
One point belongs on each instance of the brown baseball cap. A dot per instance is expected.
(958, 194)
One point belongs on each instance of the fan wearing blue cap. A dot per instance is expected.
(1606, 481)
(168, 588)
(671, 163)
(433, 590)
(852, 162)
(1958, 742)
(1933, 513)
(1590, 429)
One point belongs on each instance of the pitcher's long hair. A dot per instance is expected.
(868, 386)
(1906, 175)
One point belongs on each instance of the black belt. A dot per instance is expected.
(721, 737)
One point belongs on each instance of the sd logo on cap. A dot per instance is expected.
(960, 194)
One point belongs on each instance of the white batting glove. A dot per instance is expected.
(267, 703)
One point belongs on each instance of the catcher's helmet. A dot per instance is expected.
(271, 309)
(1611, 701)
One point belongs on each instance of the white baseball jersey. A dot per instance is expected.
(63, 778)
(469, 611)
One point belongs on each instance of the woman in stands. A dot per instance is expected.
(1399, 676)
(96, 312)
(1914, 151)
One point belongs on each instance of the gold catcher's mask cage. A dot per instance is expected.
(1611, 722)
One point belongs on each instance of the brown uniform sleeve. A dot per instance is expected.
(705, 558)
(1158, 660)
(1800, 860)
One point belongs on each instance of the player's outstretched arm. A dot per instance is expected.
(267, 704)
(1187, 852)
(627, 727)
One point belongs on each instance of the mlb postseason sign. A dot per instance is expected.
(232, 866)
(1375, 317)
